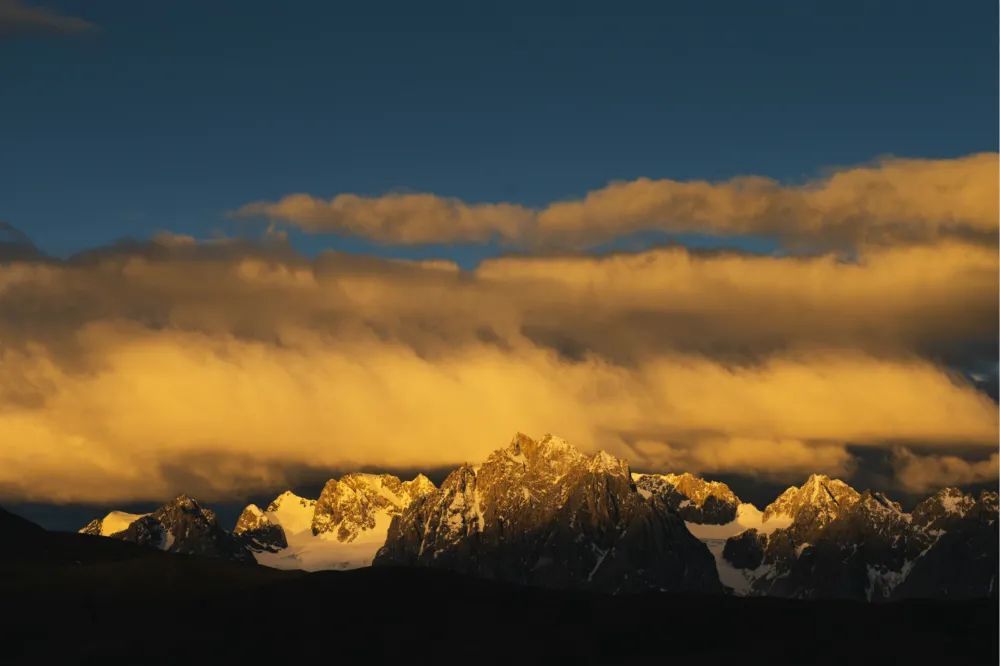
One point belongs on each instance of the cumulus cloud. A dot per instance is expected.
(920, 473)
(895, 200)
(17, 18)
(135, 371)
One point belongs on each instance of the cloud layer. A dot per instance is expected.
(892, 201)
(218, 368)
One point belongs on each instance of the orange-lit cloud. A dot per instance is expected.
(920, 473)
(894, 200)
(218, 368)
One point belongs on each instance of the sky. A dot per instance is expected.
(738, 239)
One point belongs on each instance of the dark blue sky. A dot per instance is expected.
(174, 112)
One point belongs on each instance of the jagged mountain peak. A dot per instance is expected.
(358, 502)
(943, 507)
(543, 512)
(602, 461)
(549, 447)
(879, 503)
(989, 500)
(820, 498)
(187, 503)
(289, 498)
(258, 532)
(182, 525)
(692, 497)
(418, 485)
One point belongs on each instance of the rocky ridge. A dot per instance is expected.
(342, 529)
(845, 544)
(692, 498)
(543, 513)
(181, 526)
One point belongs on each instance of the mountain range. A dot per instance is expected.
(542, 513)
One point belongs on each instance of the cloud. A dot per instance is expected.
(397, 218)
(920, 473)
(18, 18)
(247, 363)
(892, 201)
(775, 458)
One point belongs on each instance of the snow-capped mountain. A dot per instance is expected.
(343, 529)
(543, 513)
(114, 522)
(840, 543)
(182, 525)
(692, 498)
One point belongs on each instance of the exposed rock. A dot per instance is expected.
(184, 526)
(842, 544)
(258, 532)
(355, 502)
(961, 559)
(692, 498)
(543, 513)
(745, 551)
(342, 530)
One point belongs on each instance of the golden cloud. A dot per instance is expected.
(920, 473)
(218, 368)
(891, 201)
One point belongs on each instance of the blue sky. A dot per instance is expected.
(170, 114)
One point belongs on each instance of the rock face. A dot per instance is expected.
(343, 529)
(745, 551)
(960, 559)
(692, 498)
(845, 544)
(258, 532)
(353, 504)
(183, 526)
(542, 513)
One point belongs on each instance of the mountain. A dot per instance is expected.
(960, 557)
(114, 522)
(80, 598)
(259, 532)
(543, 513)
(182, 526)
(692, 498)
(840, 543)
(343, 529)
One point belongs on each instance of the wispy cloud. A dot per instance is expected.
(895, 200)
(20, 18)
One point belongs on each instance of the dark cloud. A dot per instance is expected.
(18, 18)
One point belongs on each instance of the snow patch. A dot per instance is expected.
(748, 517)
(118, 521)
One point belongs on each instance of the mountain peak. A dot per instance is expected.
(693, 498)
(543, 512)
(289, 498)
(602, 461)
(819, 499)
(258, 532)
(360, 502)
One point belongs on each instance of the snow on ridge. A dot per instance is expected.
(118, 521)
